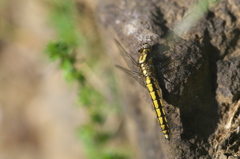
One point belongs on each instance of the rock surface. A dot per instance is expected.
(202, 100)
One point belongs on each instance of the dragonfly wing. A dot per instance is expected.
(136, 75)
(167, 66)
(174, 60)
(131, 62)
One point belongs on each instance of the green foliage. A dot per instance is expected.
(63, 18)
(95, 142)
(63, 52)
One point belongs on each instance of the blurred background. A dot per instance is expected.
(58, 99)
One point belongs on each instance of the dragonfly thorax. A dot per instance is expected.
(147, 69)
(144, 51)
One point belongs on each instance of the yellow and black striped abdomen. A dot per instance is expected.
(156, 96)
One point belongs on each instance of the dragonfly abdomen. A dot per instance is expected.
(155, 93)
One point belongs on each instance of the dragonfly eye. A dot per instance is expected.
(145, 46)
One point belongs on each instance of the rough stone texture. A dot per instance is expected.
(202, 97)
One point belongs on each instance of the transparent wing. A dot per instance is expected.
(136, 75)
(131, 62)
(178, 57)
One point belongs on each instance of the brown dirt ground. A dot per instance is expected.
(37, 114)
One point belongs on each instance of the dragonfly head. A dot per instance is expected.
(144, 48)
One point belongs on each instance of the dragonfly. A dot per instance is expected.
(143, 71)
(146, 72)
(152, 67)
